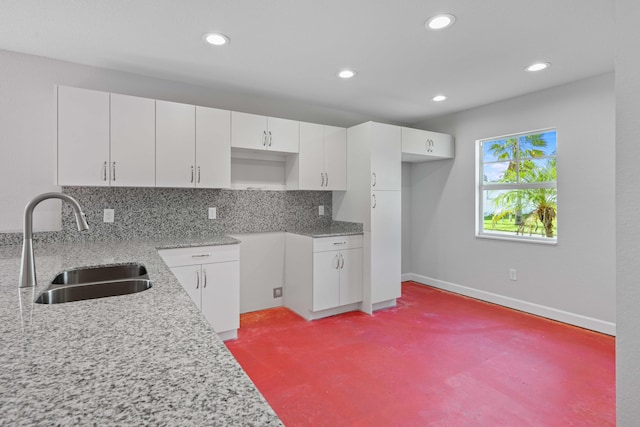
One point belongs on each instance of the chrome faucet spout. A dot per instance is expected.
(28, 268)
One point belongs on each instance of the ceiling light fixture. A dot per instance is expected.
(538, 66)
(216, 39)
(346, 74)
(440, 22)
(439, 98)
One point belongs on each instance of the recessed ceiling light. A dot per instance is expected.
(346, 74)
(439, 98)
(216, 39)
(440, 22)
(538, 66)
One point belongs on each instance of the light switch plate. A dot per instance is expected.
(213, 213)
(109, 215)
(321, 210)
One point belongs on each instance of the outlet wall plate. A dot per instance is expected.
(109, 215)
(277, 292)
(213, 213)
(321, 210)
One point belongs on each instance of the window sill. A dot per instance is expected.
(521, 239)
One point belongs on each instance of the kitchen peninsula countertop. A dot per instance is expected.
(148, 358)
(334, 229)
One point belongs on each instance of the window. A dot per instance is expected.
(517, 191)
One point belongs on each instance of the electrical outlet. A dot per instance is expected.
(321, 210)
(109, 215)
(513, 274)
(213, 213)
(277, 292)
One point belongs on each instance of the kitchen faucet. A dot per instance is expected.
(28, 269)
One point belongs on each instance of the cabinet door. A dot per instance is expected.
(175, 144)
(248, 131)
(133, 141)
(311, 157)
(442, 145)
(221, 295)
(385, 246)
(326, 280)
(335, 158)
(386, 161)
(283, 135)
(191, 280)
(415, 141)
(350, 276)
(83, 137)
(213, 148)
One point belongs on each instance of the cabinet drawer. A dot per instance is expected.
(200, 255)
(321, 244)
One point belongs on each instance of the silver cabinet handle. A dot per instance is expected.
(339, 243)
(270, 138)
(375, 179)
(198, 174)
(322, 178)
(191, 173)
(104, 171)
(426, 145)
(264, 138)
(375, 202)
(201, 256)
(197, 279)
(341, 262)
(204, 273)
(113, 171)
(326, 175)
(337, 261)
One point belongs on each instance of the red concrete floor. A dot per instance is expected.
(437, 359)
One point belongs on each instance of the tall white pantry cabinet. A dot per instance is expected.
(373, 198)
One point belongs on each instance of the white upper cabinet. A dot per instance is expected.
(83, 137)
(386, 167)
(335, 158)
(257, 132)
(311, 161)
(175, 144)
(213, 148)
(423, 146)
(133, 141)
(322, 161)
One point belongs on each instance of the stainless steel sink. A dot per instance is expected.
(69, 293)
(105, 273)
(96, 282)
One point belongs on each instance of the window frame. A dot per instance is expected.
(481, 187)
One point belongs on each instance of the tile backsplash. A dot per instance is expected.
(148, 213)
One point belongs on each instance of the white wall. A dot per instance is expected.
(27, 122)
(627, 212)
(573, 281)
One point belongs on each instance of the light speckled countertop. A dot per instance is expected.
(148, 358)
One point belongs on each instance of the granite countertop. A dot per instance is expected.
(334, 229)
(148, 358)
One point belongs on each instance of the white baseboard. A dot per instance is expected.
(586, 322)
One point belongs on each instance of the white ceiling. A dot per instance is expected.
(292, 49)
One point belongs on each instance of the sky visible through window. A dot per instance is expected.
(495, 168)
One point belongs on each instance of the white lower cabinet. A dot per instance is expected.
(337, 278)
(211, 277)
(323, 276)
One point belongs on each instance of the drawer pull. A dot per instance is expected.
(339, 243)
(201, 256)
